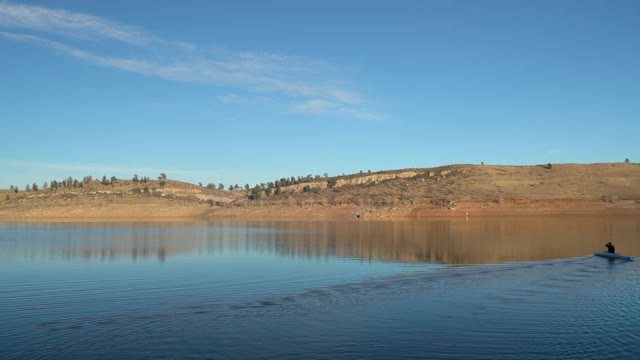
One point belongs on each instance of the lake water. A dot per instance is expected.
(496, 288)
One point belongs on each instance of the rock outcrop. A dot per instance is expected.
(376, 178)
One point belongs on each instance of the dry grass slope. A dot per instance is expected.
(406, 192)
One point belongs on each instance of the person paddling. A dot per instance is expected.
(610, 247)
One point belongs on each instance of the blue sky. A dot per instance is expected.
(250, 91)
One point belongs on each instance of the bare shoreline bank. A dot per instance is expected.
(315, 212)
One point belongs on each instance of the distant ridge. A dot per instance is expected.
(414, 192)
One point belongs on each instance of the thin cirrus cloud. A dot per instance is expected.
(300, 81)
(98, 168)
(317, 106)
(240, 99)
(314, 106)
(72, 24)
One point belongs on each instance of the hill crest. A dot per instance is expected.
(444, 187)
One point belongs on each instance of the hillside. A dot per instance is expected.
(455, 190)
(121, 199)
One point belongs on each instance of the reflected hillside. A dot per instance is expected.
(474, 241)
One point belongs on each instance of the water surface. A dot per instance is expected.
(482, 289)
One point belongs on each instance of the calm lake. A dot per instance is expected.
(493, 288)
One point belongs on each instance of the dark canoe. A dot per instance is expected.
(611, 255)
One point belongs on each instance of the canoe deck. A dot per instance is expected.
(611, 255)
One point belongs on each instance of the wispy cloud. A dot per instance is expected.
(59, 170)
(319, 106)
(363, 114)
(241, 99)
(304, 81)
(95, 169)
(68, 23)
(313, 106)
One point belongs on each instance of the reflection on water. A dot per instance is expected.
(474, 241)
(300, 290)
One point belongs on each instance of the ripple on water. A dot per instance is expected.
(577, 308)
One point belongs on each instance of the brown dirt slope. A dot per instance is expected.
(441, 191)
(480, 183)
(123, 199)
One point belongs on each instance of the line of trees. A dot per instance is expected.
(56, 184)
(272, 187)
(137, 179)
(70, 182)
(212, 186)
(275, 187)
(269, 187)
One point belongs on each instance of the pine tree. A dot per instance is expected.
(256, 193)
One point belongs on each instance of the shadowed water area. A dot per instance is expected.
(495, 288)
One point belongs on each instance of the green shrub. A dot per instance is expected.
(256, 193)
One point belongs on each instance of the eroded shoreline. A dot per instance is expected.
(315, 212)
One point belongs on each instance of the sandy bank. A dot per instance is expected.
(426, 210)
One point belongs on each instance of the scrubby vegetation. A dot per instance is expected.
(444, 187)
